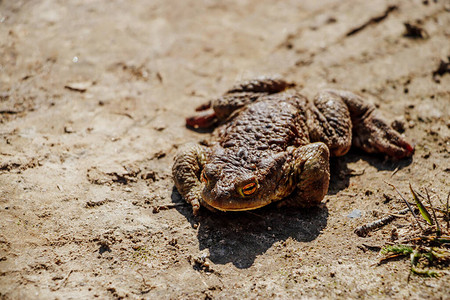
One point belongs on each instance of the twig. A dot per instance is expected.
(372, 248)
(365, 229)
(395, 171)
(448, 219)
(442, 240)
(148, 286)
(390, 257)
(373, 20)
(63, 282)
(397, 215)
(407, 203)
(10, 112)
(157, 208)
(253, 214)
(124, 114)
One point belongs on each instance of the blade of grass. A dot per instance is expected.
(427, 206)
(398, 249)
(415, 255)
(423, 211)
(426, 273)
(438, 227)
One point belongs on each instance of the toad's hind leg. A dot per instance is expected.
(310, 174)
(189, 162)
(266, 85)
(241, 94)
(331, 115)
(246, 92)
(329, 122)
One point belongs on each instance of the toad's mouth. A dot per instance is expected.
(236, 205)
(238, 209)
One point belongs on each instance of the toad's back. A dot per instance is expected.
(271, 123)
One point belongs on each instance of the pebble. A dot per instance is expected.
(356, 213)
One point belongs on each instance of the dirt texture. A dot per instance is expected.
(93, 100)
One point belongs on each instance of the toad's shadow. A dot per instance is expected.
(240, 237)
(341, 174)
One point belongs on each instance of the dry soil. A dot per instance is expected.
(93, 97)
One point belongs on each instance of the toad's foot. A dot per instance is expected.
(370, 132)
(203, 119)
(373, 135)
(186, 171)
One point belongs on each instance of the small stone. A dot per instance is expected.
(394, 234)
(356, 213)
(149, 175)
(398, 125)
(68, 129)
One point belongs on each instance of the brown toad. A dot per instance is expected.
(274, 146)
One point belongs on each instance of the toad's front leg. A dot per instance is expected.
(310, 173)
(186, 170)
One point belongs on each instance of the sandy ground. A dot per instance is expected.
(93, 96)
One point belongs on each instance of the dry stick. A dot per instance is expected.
(150, 287)
(157, 208)
(365, 229)
(395, 171)
(407, 203)
(448, 219)
(390, 257)
(430, 238)
(434, 213)
(395, 215)
(63, 282)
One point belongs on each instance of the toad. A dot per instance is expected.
(273, 145)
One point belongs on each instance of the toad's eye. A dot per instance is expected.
(248, 189)
(203, 177)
